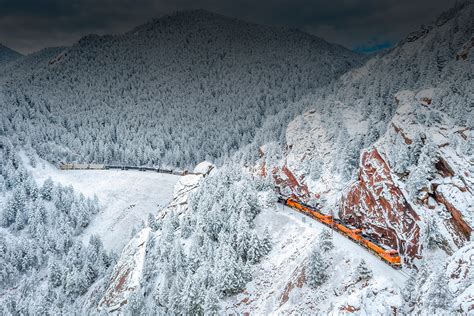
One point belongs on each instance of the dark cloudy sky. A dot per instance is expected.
(29, 25)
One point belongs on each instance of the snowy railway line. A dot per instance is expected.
(92, 166)
(387, 255)
(384, 253)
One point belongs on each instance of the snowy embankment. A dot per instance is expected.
(126, 197)
(279, 282)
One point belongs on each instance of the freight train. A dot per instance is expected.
(389, 256)
(92, 166)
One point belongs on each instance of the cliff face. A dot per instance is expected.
(378, 206)
(128, 272)
(414, 186)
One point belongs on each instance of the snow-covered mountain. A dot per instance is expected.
(18, 68)
(383, 142)
(381, 159)
(7, 54)
(217, 76)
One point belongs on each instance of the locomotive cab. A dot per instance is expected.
(392, 253)
(393, 257)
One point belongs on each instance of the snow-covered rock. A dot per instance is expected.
(184, 187)
(204, 167)
(377, 205)
(460, 274)
(412, 149)
(388, 169)
(279, 284)
(448, 282)
(311, 150)
(127, 272)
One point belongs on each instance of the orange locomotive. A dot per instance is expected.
(390, 256)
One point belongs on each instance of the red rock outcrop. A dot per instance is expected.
(461, 227)
(285, 178)
(377, 205)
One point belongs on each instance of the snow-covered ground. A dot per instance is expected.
(293, 236)
(126, 197)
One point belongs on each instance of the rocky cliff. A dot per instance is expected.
(128, 272)
(416, 180)
(414, 185)
(396, 163)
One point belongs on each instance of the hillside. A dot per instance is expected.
(387, 148)
(28, 65)
(217, 76)
(368, 138)
(7, 54)
(126, 198)
(382, 143)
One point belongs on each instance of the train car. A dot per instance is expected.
(389, 255)
(349, 231)
(66, 166)
(79, 166)
(96, 166)
(325, 219)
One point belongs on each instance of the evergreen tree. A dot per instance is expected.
(325, 243)
(231, 276)
(135, 304)
(55, 274)
(266, 242)
(191, 299)
(164, 291)
(174, 304)
(316, 267)
(243, 238)
(47, 189)
(257, 249)
(211, 302)
(16, 204)
(362, 271)
(438, 299)
(408, 292)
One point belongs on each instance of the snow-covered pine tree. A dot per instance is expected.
(362, 271)
(192, 298)
(266, 242)
(255, 250)
(325, 242)
(438, 298)
(47, 189)
(316, 269)
(231, 276)
(408, 294)
(211, 302)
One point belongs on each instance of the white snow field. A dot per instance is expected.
(126, 197)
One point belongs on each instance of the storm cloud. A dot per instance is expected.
(368, 25)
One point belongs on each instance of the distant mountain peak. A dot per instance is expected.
(187, 17)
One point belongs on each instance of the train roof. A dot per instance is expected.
(384, 247)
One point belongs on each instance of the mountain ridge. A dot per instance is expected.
(241, 72)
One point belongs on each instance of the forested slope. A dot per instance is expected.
(172, 92)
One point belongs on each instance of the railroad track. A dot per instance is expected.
(384, 253)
